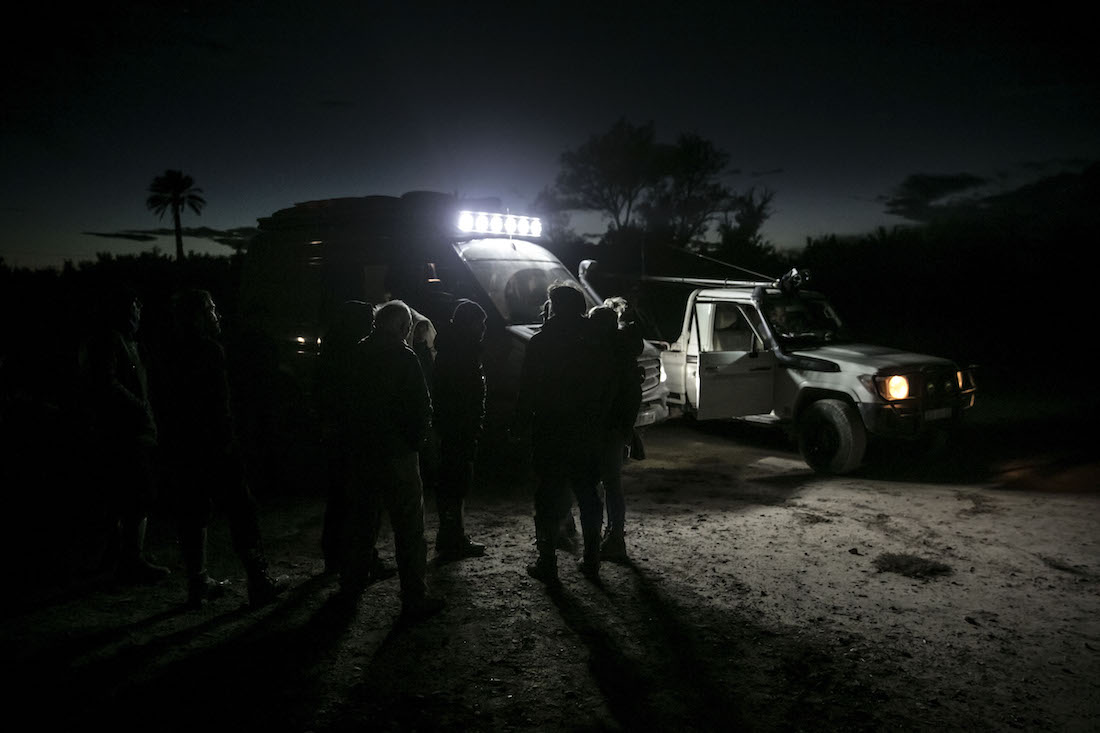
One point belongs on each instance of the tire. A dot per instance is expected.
(831, 437)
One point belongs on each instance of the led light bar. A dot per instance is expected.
(483, 222)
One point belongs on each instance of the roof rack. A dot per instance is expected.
(710, 281)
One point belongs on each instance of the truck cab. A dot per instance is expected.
(778, 353)
(428, 249)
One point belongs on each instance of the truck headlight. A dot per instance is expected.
(891, 387)
(664, 374)
(895, 387)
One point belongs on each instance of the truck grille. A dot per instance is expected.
(940, 387)
(651, 373)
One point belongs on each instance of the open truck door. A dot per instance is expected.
(734, 375)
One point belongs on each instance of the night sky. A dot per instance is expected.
(830, 105)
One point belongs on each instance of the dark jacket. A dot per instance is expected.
(122, 410)
(337, 377)
(566, 389)
(626, 383)
(458, 396)
(193, 400)
(392, 409)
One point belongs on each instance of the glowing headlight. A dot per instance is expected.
(664, 374)
(481, 222)
(896, 387)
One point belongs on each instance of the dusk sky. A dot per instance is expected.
(266, 104)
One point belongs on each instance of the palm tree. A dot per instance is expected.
(173, 191)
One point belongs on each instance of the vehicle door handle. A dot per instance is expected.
(711, 369)
(761, 369)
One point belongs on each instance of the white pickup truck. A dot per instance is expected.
(775, 352)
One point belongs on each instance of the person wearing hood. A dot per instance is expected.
(564, 398)
(458, 398)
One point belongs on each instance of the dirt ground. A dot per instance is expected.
(952, 591)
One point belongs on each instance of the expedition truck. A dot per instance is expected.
(428, 249)
(778, 353)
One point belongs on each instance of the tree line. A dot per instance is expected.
(939, 274)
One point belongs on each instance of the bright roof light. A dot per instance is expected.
(481, 222)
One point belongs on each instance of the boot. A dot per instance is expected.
(201, 588)
(452, 542)
(589, 564)
(262, 587)
(545, 568)
(420, 608)
(133, 568)
(613, 547)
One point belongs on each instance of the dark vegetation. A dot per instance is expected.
(993, 279)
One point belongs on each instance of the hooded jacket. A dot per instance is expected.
(458, 396)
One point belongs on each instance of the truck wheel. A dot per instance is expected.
(831, 437)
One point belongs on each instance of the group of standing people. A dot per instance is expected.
(163, 421)
(381, 408)
(579, 397)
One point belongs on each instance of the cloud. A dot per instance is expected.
(131, 236)
(919, 194)
(236, 238)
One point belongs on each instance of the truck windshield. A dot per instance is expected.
(803, 320)
(518, 287)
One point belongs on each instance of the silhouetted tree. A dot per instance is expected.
(174, 190)
(740, 240)
(611, 172)
(667, 194)
(688, 196)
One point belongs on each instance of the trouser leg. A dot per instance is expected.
(335, 512)
(359, 532)
(244, 526)
(455, 477)
(585, 478)
(132, 528)
(611, 475)
(552, 504)
(404, 498)
(193, 550)
(591, 511)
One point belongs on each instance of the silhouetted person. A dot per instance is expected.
(336, 379)
(459, 404)
(125, 431)
(202, 456)
(422, 342)
(618, 429)
(392, 419)
(563, 399)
